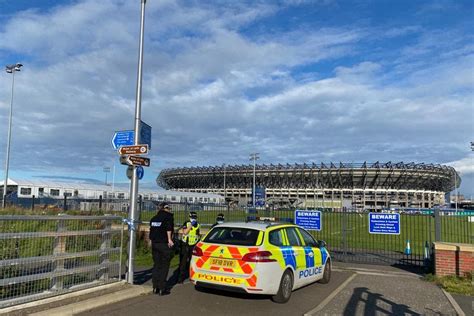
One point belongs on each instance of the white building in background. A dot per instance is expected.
(58, 190)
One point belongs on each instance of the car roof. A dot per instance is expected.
(258, 225)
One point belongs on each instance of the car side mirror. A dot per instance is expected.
(321, 244)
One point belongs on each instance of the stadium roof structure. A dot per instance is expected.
(399, 176)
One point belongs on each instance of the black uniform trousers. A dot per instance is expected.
(184, 261)
(161, 264)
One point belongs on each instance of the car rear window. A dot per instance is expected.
(233, 236)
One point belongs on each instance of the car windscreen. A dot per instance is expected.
(233, 236)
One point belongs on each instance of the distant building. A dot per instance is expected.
(366, 186)
(24, 189)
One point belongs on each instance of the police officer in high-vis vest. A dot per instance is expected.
(190, 238)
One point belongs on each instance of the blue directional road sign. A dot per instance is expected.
(123, 138)
(384, 223)
(310, 220)
(145, 134)
(140, 172)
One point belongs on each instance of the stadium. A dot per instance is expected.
(366, 186)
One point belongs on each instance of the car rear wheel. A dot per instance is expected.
(284, 291)
(327, 273)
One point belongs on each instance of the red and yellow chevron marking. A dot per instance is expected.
(229, 253)
(252, 281)
(225, 253)
(207, 253)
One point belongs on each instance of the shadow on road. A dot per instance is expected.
(245, 296)
(374, 304)
(144, 276)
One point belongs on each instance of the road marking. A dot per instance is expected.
(388, 274)
(379, 272)
(330, 297)
(455, 304)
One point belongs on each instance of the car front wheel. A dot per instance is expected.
(327, 273)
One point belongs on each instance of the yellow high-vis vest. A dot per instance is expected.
(192, 237)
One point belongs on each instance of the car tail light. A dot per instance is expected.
(259, 256)
(197, 251)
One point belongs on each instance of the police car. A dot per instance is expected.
(259, 258)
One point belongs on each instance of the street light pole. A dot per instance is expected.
(11, 69)
(224, 181)
(456, 189)
(134, 212)
(106, 171)
(254, 157)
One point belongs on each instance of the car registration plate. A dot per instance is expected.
(223, 262)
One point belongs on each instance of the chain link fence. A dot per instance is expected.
(42, 256)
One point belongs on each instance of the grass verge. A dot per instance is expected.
(143, 257)
(453, 284)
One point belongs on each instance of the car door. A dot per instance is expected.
(296, 247)
(313, 256)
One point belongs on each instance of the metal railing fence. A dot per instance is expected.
(42, 256)
(67, 203)
(347, 233)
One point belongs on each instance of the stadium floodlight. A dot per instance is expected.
(106, 171)
(224, 166)
(11, 69)
(254, 157)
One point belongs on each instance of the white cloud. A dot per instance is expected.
(464, 166)
(213, 92)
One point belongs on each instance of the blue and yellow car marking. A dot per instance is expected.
(309, 255)
(289, 256)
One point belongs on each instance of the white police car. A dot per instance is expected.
(259, 258)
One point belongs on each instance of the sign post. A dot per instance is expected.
(145, 134)
(140, 172)
(310, 220)
(122, 138)
(259, 196)
(134, 212)
(384, 223)
(126, 138)
(133, 150)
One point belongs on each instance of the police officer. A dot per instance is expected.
(190, 238)
(161, 230)
(219, 220)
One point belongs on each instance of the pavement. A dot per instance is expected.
(353, 290)
(388, 295)
(185, 300)
(466, 303)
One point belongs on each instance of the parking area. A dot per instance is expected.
(185, 299)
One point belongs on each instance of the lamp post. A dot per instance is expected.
(106, 170)
(11, 69)
(223, 166)
(456, 189)
(254, 157)
(134, 211)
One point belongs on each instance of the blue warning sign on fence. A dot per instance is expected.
(384, 223)
(310, 220)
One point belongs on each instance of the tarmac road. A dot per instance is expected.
(184, 299)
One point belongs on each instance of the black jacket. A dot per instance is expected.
(161, 223)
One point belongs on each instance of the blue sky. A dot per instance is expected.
(298, 81)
